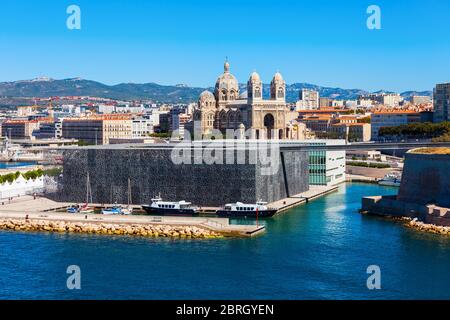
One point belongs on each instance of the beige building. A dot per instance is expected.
(354, 132)
(227, 108)
(98, 130)
(308, 100)
(416, 100)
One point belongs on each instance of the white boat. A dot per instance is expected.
(391, 180)
(239, 209)
(180, 208)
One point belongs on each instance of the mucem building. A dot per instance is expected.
(205, 176)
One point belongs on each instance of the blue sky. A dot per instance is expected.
(169, 42)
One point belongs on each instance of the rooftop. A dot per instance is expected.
(431, 151)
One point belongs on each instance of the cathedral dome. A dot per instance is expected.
(206, 95)
(227, 81)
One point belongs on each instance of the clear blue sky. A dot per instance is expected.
(170, 42)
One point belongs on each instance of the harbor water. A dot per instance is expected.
(15, 165)
(317, 251)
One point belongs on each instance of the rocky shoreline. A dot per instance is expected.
(431, 228)
(142, 230)
(416, 224)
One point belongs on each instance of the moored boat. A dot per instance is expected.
(391, 179)
(180, 208)
(240, 209)
(112, 211)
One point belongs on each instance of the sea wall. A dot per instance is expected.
(165, 231)
(424, 192)
(426, 179)
(152, 172)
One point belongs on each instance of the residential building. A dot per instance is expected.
(325, 102)
(46, 130)
(142, 127)
(441, 99)
(308, 100)
(394, 118)
(416, 100)
(19, 129)
(98, 130)
(352, 132)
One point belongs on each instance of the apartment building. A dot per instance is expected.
(19, 129)
(395, 118)
(441, 99)
(98, 130)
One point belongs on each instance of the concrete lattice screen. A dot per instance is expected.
(152, 172)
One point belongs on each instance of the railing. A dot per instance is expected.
(213, 224)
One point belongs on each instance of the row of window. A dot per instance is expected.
(166, 206)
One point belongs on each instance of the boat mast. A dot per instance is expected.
(88, 190)
(129, 191)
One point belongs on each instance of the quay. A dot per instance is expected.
(42, 209)
(291, 202)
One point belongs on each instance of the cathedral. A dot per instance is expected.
(227, 108)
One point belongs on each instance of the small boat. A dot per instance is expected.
(86, 209)
(127, 210)
(73, 209)
(240, 209)
(391, 179)
(112, 211)
(180, 208)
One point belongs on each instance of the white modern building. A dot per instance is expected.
(326, 167)
(141, 127)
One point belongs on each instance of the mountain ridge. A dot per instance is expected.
(43, 87)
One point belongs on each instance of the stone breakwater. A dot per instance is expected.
(166, 231)
(431, 228)
(418, 225)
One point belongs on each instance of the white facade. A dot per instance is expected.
(308, 100)
(141, 127)
(326, 167)
(106, 109)
(21, 187)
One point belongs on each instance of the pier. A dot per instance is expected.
(291, 202)
(43, 209)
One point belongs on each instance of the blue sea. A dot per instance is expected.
(317, 251)
(11, 165)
